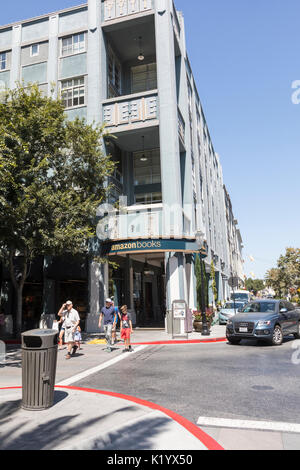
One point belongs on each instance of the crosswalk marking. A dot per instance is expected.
(248, 424)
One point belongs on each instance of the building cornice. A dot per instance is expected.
(42, 17)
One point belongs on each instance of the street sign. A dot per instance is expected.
(233, 282)
(180, 312)
(179, 309)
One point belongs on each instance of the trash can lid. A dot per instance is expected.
(40, 332)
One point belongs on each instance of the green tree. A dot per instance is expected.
(254, 285)
(213, 279)
(286, 276)
(198, 263)
(52, 175)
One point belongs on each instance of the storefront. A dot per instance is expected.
(145, 278)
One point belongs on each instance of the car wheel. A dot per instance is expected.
(234, 340)
(277, 337)
(297, 335)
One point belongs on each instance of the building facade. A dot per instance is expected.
(124, 62)
(235, 243)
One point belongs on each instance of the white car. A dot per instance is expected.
(228, 311)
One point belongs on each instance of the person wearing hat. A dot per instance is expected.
(71, 321)
(108, 314)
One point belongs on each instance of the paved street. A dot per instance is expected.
(216, 380)
(242, 396)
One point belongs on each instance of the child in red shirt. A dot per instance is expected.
(126, 328)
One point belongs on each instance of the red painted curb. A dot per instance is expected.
(188, 341)
(206, 440)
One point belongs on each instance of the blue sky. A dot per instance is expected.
(245, 55)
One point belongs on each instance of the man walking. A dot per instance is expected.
(71, 321)
(109, 315)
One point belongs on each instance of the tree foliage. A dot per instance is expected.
(285, 278)
(254, 285)
(52, 179)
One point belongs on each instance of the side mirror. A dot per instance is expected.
(283, 310)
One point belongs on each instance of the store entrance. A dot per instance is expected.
(149, 291)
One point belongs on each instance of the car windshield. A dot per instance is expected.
(232, 305)
(240, 296)
(262, 307)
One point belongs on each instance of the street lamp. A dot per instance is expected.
(200, 237)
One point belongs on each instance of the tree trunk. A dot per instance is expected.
(18, 284)
(19, 316)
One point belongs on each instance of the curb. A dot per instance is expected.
(190, 341)
(192, 428)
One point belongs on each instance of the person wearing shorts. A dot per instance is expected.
(71, 321)
(108, 315)
(126, 328)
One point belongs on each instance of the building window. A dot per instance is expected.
(34, 50)
(114, 75)
(148, 198)
(3, 61)
(73, 92)
(73, 44)
(147, 172)
(147, 167)
(143, 78)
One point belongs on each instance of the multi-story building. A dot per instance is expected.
(124, 62)
(235, 243)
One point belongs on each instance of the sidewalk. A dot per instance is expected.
(95, 419)
(91, 419)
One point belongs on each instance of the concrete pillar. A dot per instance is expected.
(15, 56)
(94, 62)
(168, 114)
(98, 292)
(52, 69)
(175, 288)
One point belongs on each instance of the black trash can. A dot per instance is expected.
(39, 357)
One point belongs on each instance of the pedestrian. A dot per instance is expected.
(77, 337)
(126, 328)
(71, 322)
(108, 314)
(62, 332)
(114, 330)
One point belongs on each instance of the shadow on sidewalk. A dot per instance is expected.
(20, 431)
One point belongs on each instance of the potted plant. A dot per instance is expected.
(197, 324)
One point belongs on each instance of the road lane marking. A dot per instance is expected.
(94, 370)
(248, 424)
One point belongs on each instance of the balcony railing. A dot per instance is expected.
(134, 223)
(126, 111)
(144, 222)
(121, 8)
